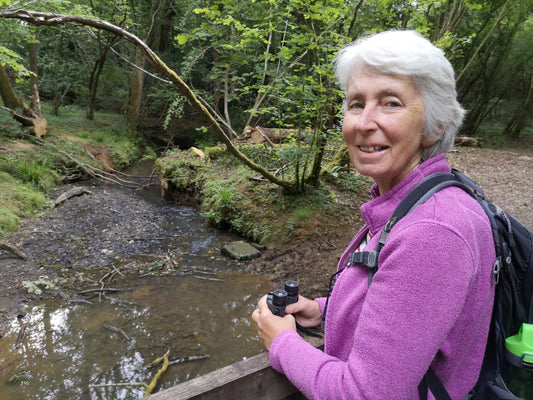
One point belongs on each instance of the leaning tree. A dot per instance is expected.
(49, 19)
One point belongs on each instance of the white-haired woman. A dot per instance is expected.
(430, 301)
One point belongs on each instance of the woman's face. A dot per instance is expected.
(383, 127)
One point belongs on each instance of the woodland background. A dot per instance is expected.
(257, 62)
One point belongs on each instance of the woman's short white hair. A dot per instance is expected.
(409, 53)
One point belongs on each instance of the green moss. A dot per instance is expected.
(183, 171)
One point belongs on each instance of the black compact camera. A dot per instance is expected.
(278, 299)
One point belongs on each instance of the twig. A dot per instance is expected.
(84, 301)
(120, 302)
(118, 330)
(208, 279)
(100, 290)
(190, 358)
(117, 271)
(101, 385)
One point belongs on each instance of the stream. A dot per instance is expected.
(167, 289)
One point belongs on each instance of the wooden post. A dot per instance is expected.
(253, 378)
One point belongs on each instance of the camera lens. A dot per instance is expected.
(279, 298)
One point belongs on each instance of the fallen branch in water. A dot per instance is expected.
(84, 301)
(185, 359)
(100, 290)
(20, 337)
(102, 385)
(118, 330)
(209, 279)
(152, 384)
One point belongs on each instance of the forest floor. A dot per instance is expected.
(504, 174)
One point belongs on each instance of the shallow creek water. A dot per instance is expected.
(70, 349)
(200, 312)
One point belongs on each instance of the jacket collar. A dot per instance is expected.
(377, 211)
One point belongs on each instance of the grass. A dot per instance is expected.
(30, 168)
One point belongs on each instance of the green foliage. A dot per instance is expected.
(10, 58)
(9, 222)
(40, 175)
(17, 200)
(219, 203)
(184, 171)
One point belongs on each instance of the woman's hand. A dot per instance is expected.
(306, 311)
(268, 324)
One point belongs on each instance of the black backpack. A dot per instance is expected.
(512, 275)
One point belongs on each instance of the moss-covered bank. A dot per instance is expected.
(233, 197)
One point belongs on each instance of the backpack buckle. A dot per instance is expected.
(496, 270)
(368, 258)
(372, 261)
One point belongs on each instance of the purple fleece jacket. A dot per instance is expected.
(430, 303)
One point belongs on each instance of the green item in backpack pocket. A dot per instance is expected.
(519, 348)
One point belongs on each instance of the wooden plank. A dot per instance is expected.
(252, 378)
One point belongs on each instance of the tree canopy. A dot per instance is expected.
(258, 62)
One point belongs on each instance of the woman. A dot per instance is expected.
(430, 301)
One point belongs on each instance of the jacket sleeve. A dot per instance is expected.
(414, 301)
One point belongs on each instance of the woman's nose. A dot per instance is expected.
(366, 119)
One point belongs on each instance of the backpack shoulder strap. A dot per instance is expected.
(418, 195)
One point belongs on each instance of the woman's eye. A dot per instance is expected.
(392, 104)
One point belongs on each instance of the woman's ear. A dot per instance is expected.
(430, 141)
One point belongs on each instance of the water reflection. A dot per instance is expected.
(68, 348)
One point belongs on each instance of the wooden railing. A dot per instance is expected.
(248, 379)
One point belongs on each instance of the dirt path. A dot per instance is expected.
(52, 239)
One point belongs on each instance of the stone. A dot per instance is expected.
(240, 251)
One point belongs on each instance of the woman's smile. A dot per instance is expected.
(372, 149)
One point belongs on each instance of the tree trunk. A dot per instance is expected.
(166, 25)
(29, 119)
(9, 97)
(137, 89)
(93, 82)
(519, 118)
(35, 103)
